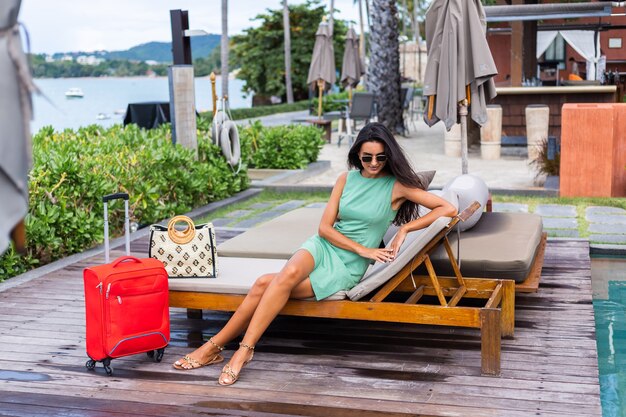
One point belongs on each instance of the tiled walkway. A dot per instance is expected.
(605, 225)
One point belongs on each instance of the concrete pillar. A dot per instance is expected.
(183, 106)
(452, 141)
(537, 124)
(491, 133)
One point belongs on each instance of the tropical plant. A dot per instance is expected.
(411, 13)
(259, 49)
(383, 75)
(72, 170)
(546, 163)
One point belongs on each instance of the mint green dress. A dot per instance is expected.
(365, 214)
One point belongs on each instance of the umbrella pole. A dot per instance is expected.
(320, 87)
(463, 114)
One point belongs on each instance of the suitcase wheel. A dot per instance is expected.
(90, 364)
(107, 366)
(159, 355)
(156, 355)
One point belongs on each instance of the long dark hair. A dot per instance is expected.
(397, 165)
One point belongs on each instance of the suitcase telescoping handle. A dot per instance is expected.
(105, 200)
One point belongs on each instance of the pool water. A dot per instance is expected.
(608, 277)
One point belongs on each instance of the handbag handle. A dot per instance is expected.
(124, 259)
(184, 236)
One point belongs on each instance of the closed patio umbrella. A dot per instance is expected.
(322, 69)
(351, 71)
(352, 66)
(460, 67)
(16, 86)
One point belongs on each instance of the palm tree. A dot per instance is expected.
(384, 68)
(287, 30)
(362, 28)
(224, 49)
(331, 20)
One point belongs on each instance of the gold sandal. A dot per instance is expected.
(229, 371)
(195, 364)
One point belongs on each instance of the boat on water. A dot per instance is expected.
(74, 92)
(103, 116)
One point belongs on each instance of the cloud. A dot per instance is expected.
(70, 25)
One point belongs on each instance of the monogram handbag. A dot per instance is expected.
(188, 253)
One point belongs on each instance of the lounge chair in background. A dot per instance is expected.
(362, 109)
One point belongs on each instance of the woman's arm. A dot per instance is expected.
(328, 232)
(439, 207)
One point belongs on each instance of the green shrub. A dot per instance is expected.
(330, 102)
(280, 147)
(241, 114)
(72, 170)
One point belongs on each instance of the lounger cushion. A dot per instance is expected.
(279, 238)
(501, 246)
(469, 188)
(379, 273)
(237, 275)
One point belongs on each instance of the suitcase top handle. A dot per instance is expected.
(115, 196)
(124, 259)
(181, 236)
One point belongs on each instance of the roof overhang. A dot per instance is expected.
(549, 11)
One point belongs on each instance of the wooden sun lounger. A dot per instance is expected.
(500, 246)
(399, 300)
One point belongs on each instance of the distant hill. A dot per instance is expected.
(201, 47)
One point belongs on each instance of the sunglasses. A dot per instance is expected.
(381, 157)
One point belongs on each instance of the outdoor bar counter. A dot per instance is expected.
(515, 99)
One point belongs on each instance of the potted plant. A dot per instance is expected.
(548, 163)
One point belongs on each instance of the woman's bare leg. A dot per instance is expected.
(235, 325)
(291, 282)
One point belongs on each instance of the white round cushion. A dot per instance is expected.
(469, 188)
(449, 195)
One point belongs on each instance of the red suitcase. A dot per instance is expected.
(126, 303)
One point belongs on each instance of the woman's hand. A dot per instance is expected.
(379, 255)
(397, 241)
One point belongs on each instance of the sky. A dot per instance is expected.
(90, 25)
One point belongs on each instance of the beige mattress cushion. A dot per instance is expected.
(279, 238)
(501, 246)
(236, 276)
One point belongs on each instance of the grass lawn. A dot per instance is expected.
(580, 203)
(275, 198)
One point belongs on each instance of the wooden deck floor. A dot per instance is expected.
(310, 367)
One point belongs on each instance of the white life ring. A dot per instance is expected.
(216, 126)
(229, 142)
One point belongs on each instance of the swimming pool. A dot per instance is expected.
(608, 278)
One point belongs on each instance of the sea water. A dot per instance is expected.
(105, 99)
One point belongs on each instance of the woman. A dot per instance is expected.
(364, 202)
